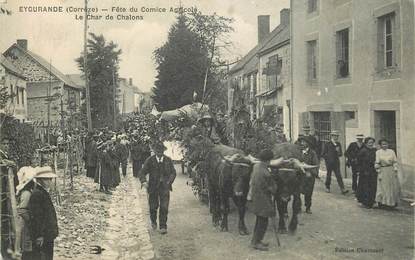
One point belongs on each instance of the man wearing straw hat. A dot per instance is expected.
(161, 177)
(332, 151)
(44, 225)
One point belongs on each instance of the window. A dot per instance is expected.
(271, 71)
(387, 41)
(342, 53)
(312, 60)
(312, 6)
(22, 95)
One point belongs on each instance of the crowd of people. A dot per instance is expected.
(374, 180)
(106, 151)
(374, 168)
(375, 171)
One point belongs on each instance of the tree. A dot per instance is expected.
(213, 31)
(181, 63)
(190, 62)
(103, 65)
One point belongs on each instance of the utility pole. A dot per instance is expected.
(88, 102)
(49, 99)
(115, 98)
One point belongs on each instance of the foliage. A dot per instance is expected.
(103, 65)
(5, 97)
(189, 62)
(181, 64)
(213, 31)
(21, 141)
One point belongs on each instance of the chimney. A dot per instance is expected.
(263, 27)
(22, 43)
(130, 81)
(285, 16)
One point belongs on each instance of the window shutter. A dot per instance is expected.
(315, 58)
(380, 44)
(309, 61)
(338, 53)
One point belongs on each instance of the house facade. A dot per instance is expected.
(273, 92)
(260, 81)
(128, 96)
(353, 71)
(12, 79)
(49, 91)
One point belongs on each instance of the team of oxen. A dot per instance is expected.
(229, 170)
(228, 173)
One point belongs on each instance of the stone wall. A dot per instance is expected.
(31, 69)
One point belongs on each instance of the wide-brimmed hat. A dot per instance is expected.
(334, 132)
(360, 136)
(205, 117)
(306, 127)
(158, 146)
(44, 172)
(25, 175)
(266, 155)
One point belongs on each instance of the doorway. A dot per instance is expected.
(385, 127)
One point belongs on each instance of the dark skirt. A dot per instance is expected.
(106, 174)
(115, 174)
(136, 167)
(96, 174)
(90, 171)
(366, 189)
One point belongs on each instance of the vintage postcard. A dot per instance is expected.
(207, 129)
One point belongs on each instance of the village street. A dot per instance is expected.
(337, 222)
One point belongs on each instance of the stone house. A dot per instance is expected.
(13, 80)
(353, 71)
(128, 96)
(49, 91)
(260, 81)
(274, 80)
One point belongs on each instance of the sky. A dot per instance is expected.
(59, 36)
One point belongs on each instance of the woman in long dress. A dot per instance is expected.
(24, 192)
(388, 189)
(366, 189)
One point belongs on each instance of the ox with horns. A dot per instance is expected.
(229, 170)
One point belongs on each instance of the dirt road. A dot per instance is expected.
(337, 229)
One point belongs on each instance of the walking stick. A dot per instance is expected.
(274, 225)
(55, 169)
(99, 174)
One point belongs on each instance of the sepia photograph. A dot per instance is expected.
(207, 129)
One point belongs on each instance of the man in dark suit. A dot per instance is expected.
(263, 188)
(161, 177)
(332, 151)
(309, 156)
(312, 141)
(351, 154)
(44, 224)
(91, 156)
(122, 152)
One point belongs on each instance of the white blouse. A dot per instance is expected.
(386, 158)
